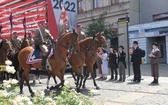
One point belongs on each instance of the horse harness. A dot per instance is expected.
(68, 47)
(90, 50)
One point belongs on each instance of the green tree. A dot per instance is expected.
(99, 25)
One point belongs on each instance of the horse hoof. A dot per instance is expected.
(83, 87)
(48, 87)
(77, 90)
(21, 92)
(52, 87)
(75, 82)
(32, 94)
(97, 87)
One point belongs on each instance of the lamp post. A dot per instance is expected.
(125, 20)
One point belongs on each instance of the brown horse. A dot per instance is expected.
(87, 55)
(5, 46)
(57, 61)
(88, 50)
(91, 56)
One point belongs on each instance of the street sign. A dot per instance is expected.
(123, 20)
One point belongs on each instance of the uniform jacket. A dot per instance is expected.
(136, 56)
(81, 35)
(112, 59)
(46, 35)
(62, 32)
(15, 44)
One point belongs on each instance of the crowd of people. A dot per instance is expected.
(115, 60)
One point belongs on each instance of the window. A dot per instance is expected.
(156, 29)
(114, 1)
(97, 3)
(81, 6)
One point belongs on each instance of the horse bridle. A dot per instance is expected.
(89, 49)
(69, 47)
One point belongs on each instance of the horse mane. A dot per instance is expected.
(62, 36)
(85, 39)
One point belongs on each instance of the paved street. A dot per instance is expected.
(115, 93)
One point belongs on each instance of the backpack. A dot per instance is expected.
(142, 53)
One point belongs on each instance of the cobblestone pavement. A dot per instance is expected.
(117, 93)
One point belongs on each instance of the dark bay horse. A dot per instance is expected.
(15, 62)
(87, 55)
(5, 46)
(57, 61)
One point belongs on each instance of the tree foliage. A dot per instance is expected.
(99, 25)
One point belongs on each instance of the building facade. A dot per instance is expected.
(115, 9)
(153, 27)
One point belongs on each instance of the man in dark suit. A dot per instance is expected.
(121, 63)
(113, 63)
(136, 60)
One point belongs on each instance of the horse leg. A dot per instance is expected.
(16, 66)
(93, 76)
(80, 74)
(21, 73)
(48, 79)
(58, 74)
(54, 79)
(77, 83)
(72, 73)
(62, 76)
(38, 75)
(21, 83)
(27, 82)
(87, 75)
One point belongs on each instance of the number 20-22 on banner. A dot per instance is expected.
(69, 6)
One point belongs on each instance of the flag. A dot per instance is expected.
(0, 28)
(11, 23)
(46, 14)
(24, 25)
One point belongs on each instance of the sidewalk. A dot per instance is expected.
(146, 70)
(117, 93)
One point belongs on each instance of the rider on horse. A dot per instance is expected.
(64, 29)
(81, 34)
(43, 44)
(15, 43)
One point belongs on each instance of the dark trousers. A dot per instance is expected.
(137, 72)
(113, 69)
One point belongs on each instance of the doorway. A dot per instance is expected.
(162, 47)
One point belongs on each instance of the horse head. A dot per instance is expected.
(25, 43)
(69, 41)
(6, 44)
(101, 40)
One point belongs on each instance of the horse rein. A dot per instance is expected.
(67, 47)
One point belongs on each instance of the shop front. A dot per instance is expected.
(148, 33)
